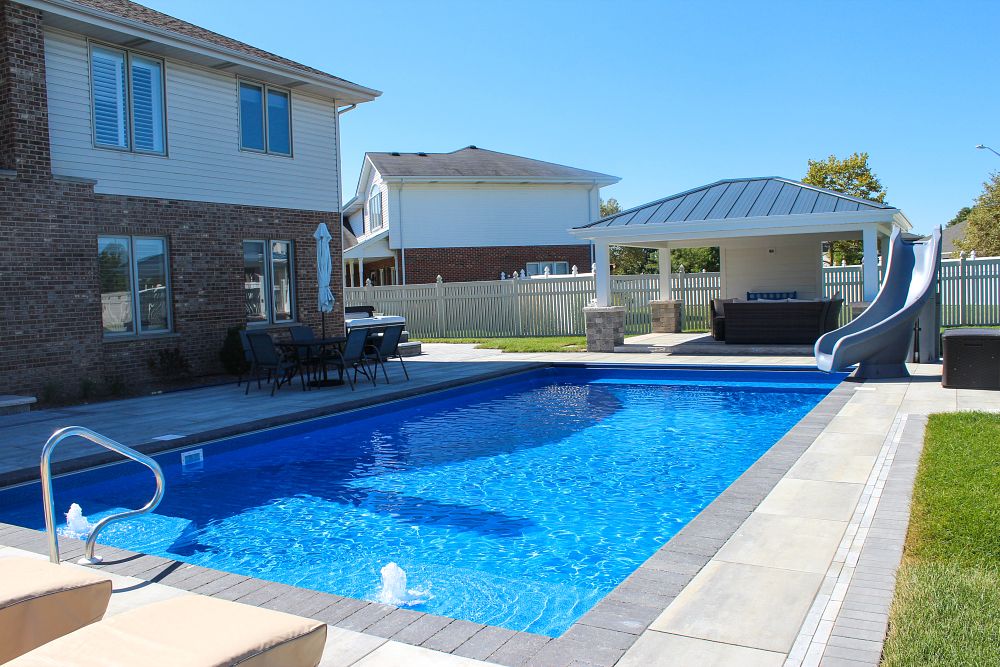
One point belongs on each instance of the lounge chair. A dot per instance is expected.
(386, 346)
(267, 358)
(191, 630)
(353, 356)
(40, 601)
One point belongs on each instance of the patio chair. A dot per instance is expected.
(314, 356)
(247, 356)
(353, 357)
(386, 346)
(267, 358)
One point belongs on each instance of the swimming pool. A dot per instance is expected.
(517, 502)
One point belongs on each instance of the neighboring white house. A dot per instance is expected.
(466, 215)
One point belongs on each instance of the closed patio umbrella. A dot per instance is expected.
(323, 269)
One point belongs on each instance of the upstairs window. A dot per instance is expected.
(128, 100)
(265, 119)
(374, 208)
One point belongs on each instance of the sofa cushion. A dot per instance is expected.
(40, 601)
(188, 631)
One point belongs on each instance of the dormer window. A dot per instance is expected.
(374, 208)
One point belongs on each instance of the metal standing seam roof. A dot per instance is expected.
(474, 162)
(739, 198)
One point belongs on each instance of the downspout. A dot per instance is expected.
(399, 215)
(338, 112)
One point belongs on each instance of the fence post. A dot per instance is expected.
(516, 300)
(439, 306)
(683, 296)
(961, 288)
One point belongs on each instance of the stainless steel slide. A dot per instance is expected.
(879, 339)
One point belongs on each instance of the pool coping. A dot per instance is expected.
(600, 637)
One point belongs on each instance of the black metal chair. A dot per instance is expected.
(248, 357)
(386, 346)
(267, 358)
(312, 357)
(353, 357)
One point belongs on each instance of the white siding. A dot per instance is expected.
(448, 216)
(749, 266)
(204, 162)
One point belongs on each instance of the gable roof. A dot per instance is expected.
(127, 13)
(739, 198)
(472, 162)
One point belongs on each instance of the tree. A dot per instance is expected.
(982, 233)
(960, 217)
(695, 260)
(626, 261)
(851, 176)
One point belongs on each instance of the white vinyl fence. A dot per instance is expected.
(553, 306)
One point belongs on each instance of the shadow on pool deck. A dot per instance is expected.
(167, 421)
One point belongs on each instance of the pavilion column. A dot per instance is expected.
(665, 312)
(605, 323)
(869, 262)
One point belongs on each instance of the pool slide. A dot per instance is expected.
(879, 339)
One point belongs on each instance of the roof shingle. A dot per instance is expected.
(473, 162)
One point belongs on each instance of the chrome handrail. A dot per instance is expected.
(48, 501)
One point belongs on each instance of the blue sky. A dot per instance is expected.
(666, 96)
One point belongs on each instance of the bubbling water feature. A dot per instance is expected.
(394, 591)
(77, 525)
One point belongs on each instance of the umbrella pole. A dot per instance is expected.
(323, 317)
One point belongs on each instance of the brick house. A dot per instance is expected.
(471, 214)
(159, 183)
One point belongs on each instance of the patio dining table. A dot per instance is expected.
(304, 352)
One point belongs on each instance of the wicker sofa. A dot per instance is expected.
(787, 322)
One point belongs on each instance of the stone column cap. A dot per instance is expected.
(665, 302)
(604, 309)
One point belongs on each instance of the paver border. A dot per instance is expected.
(600, 637)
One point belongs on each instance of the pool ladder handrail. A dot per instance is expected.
(48, 502)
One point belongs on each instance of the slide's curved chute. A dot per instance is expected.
(879, 339)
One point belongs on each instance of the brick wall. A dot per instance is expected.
(423, 265)
(50, 305)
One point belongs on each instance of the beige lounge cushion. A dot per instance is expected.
(40, 601)
(188, 631)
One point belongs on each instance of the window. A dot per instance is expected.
(269, 281)
(555, 268)
(135, 285)
(128, 100)
(374, 208)
(265, 119)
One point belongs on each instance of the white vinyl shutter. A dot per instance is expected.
(147, 104)
(107, 71)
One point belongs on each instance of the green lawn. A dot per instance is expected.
(541, 344)
(947, 605)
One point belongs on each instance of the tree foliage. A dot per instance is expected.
(960, 217)
(853, 176)
(982, 233)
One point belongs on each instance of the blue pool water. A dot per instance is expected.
(518, 502)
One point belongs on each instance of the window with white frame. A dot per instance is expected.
(127, 99)
(269, 281)
(555, 268)
(265, 119)
(135, 285)
(375, 208)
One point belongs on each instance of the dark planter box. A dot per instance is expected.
(971, 359)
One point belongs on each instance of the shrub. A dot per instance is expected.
(231, 354)
(168, 364)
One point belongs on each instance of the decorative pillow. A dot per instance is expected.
(770, 296)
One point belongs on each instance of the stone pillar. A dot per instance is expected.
(605, 327)
(857, 308)
(666, 314)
